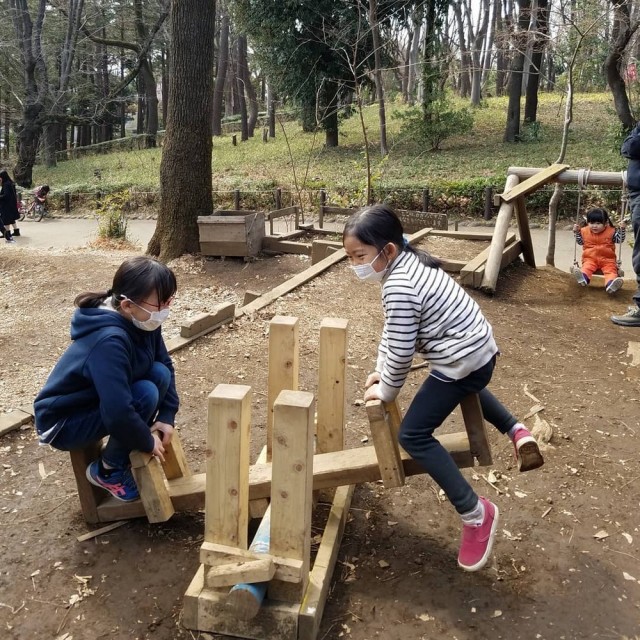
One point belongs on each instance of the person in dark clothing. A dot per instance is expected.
(5, 233)
(631, 150)
(8, 203)
(116, 378)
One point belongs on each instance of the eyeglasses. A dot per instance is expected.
(168, 303)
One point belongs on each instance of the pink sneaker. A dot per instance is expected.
(526, 450)
(477, 541)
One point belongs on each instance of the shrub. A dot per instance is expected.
(112, 216)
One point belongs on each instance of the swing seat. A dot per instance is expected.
(576, 268)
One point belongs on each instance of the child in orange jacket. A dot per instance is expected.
(598, 239)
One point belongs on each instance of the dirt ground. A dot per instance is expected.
(566, 563)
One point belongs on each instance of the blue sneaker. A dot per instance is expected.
(119, 483)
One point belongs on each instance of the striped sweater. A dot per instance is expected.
(427, 313)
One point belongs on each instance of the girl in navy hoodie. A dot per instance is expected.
(116, 378)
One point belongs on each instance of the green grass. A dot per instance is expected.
(253, 166)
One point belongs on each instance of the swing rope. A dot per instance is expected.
(583, 179)
(624, 203)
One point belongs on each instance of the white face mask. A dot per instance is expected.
(367, 272)
(155, 319)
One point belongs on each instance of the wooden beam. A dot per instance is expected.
(89, 495)
(533, 183)
(351, 466)
(291, 488)
(471, 274)
(570, 176)
(276, 245)
(284, 365)
(175, 462)
(386, 445)
(227, 465)
(462, 235)
(206, 322)
(223, 314)
(317, 591)
(13, 420)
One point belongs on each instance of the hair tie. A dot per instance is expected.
(405, 242)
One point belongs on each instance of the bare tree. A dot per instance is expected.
(377, 72)
(221, 71)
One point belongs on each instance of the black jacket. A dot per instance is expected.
(631, 150)
(8, 203)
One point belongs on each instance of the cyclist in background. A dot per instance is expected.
(40, 195)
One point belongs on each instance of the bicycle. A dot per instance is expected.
(36, 211)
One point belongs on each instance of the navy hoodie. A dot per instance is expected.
(108, 354)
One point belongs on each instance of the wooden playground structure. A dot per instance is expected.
(304, 453)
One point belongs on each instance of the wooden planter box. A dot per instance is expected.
(240, 234)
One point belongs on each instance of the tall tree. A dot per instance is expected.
(377, 72)
(539, 43)
(221, 71)
(185, 168)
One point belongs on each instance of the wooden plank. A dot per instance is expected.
(207, 322)
(394, 417)
(332, 378)
(179, 341)
(227, 465)
(222, 248)
(89, 495)
(250, 296)
(281, 213)
(339, 211)
(175, 463)
(452, 266)
(257, 508)
(350, 466)
(525, 232)
(284, 365)
(534, 182)
(98, 532)
(509, 254)
(469, 273)
(154, 494)
(320, 249)
(13, 420)
(463, 235)
(276, 245)
(476, 429)
(226, 575)
(317, 591)
(386, 445)
(292, 482)
(228, 212)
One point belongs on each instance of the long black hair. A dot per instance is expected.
(135, 279)
(377, 226)
(6, 178)
(598, 214)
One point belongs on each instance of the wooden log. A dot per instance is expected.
(492, 266)
(284, 365)
(224, 314)
(476, 429)
(532, 183)
(206, 322)
(335, 469)
(570, 176)
(154, 494)
(273, 244)
(227, 470)
(386, 445)
(292, 483)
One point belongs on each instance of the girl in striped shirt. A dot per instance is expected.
(427, 313)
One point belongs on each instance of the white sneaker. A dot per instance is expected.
(615, 285)
(579, 276)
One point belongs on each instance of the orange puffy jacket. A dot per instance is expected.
(598, 246)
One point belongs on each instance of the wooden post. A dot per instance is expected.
(386, 445)
(283, 365)
(425, 200)
(175, 463)
(67, 201)
(476, 430)
(277, 194)
(236, 199)
(89, 495)
(332, 374)
(488, 202)
(154, 494)
(227, 477)
(525, 232)
(234, 140)
(323, 202)
(492, 267)
(291, 488)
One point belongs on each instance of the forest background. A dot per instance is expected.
(368, 99)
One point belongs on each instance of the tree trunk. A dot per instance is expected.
(464, 84)
(249, 93)
(49, 145)
(185, 169)
(164, 61)
(533, 85)
(221, 74)
(512, 128)
(377, 56)
(150, 104)
(330, 117)
(242, 102)
(27, 140)
(271, 100)
(623, 31)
